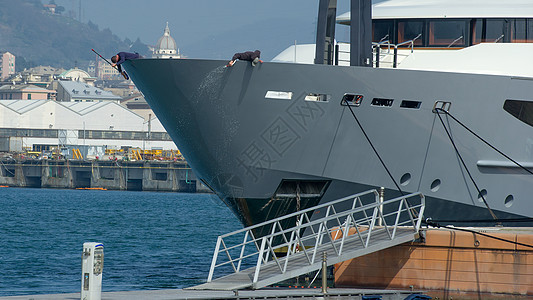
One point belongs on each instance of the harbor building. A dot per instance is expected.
(25, 92)
(75, 91)
(138, 104)
(77, 74)
(40, 76)
(45, 124)
(166, 46)
(7, 65)
(104, 71)
(122, 88)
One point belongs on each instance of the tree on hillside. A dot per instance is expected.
(140, 48)
(38, 38)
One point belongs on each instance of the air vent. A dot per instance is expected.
(317, 97)
(382, 102)
(278, 95)
(410, 104)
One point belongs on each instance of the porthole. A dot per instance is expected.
(509, 201)
(406, 178)
(481, 195)
(435, 185)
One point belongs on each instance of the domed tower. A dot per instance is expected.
(166, 46)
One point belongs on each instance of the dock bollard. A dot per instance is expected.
(92, 265)
(324, 273)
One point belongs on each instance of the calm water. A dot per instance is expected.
(151, 240)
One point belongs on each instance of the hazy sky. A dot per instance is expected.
(193, 22)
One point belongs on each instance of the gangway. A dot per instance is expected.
(350, 227)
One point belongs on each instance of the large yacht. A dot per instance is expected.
(431, 96)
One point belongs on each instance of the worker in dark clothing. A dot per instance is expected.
(121, 57)
(252, 56)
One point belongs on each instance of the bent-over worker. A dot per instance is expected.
(121, 57)
(252, 56)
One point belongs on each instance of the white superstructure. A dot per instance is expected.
(466, 36)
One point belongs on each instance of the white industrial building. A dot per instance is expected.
(81, 92)
(42, 123)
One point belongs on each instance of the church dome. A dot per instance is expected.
(166, 42)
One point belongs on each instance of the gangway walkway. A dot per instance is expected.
(351, 227)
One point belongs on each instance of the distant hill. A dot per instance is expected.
(37, 37)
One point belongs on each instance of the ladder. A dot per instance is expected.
(343, 229)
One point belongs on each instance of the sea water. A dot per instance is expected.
(151, 240)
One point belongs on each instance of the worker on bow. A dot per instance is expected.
(252, 56)
(121, 57)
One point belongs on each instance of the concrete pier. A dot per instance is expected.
(169, 176)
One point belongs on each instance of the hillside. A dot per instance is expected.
(37, 37)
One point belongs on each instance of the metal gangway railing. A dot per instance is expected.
(343, 229)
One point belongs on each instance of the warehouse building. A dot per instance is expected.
(74, 91)
(43, 124)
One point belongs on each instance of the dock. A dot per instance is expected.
(485, 263)
(275, 293)
(140, 175)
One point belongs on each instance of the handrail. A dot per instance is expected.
(412, 42)
(311, 234)
(299, 213)
(455, 41)
(383, 38)
(378, 45)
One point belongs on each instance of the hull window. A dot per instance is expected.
(352, 100)
(382, 102)
(410, 104)
(278, 95)
(317, 97)
(522, 110)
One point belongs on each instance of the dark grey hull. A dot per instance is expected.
(247, 147)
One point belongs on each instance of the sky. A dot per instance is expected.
(207, 28)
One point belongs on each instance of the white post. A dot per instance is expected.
(381, 199)
(259, 260)
(214, 261)
(92, 265)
